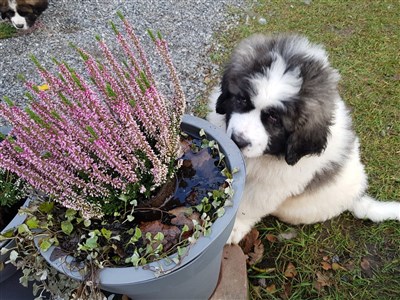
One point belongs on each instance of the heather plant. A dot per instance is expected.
(91, 143)
(99, 150)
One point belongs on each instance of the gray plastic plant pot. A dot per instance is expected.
(197, 275)
(9, 269)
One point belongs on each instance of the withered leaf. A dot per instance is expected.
(271, 238)
(203, 161)
(290, 271)
(247, 243)
(171, 233)
(287, 290)
(326, 266)
(322, 281)
(257, 254)
(366, 267)
(185, 216)
(271, 289)
(185, 145)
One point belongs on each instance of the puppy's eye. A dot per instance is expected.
(10, 13)
(270, 116)
(243, 101)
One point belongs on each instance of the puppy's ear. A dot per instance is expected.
(39, 8)
(312, 113)
(222, 102)
(309, 138)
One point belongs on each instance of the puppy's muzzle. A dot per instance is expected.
(240, 141)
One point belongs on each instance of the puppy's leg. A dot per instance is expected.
(377, 211)
(254, 206)
(242, 227)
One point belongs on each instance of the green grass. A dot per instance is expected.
(7, 31)
(363, 41)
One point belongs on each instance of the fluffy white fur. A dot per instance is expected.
(273, 187)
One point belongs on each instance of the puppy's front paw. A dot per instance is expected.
(238, 233)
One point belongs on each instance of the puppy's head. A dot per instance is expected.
(278, 95)
(22, 13)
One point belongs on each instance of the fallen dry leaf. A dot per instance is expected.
(287, 290)
(202, 163)
(322, 281)
(257, 254)
(184, 216)
(326, 266)
(247, 243)
(290, 271)
(252, 247)
(271, 238)
(366, 267)
(271, 289)
(171, 233)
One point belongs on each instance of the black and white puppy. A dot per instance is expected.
(280, 104)
(22, 13)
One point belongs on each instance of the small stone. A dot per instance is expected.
(262, 21)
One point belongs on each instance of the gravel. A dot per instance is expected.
(188, 26)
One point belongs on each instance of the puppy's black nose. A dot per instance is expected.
(19, 26)
(239, 141)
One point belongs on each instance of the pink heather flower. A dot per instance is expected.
(81, 139)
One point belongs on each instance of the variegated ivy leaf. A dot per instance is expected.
(106, 233)
(70, 213)
(91, 243)
(220, 212)
(202, 132)
(67, 227)
(32, 223)
(4, 250)
(45, 244)
(46, 207)
(185, 228)
(159, 237)
(23, 228)
(6, 235)
(123, 197)
(207, 231)
(181, 251)
(44, 275)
